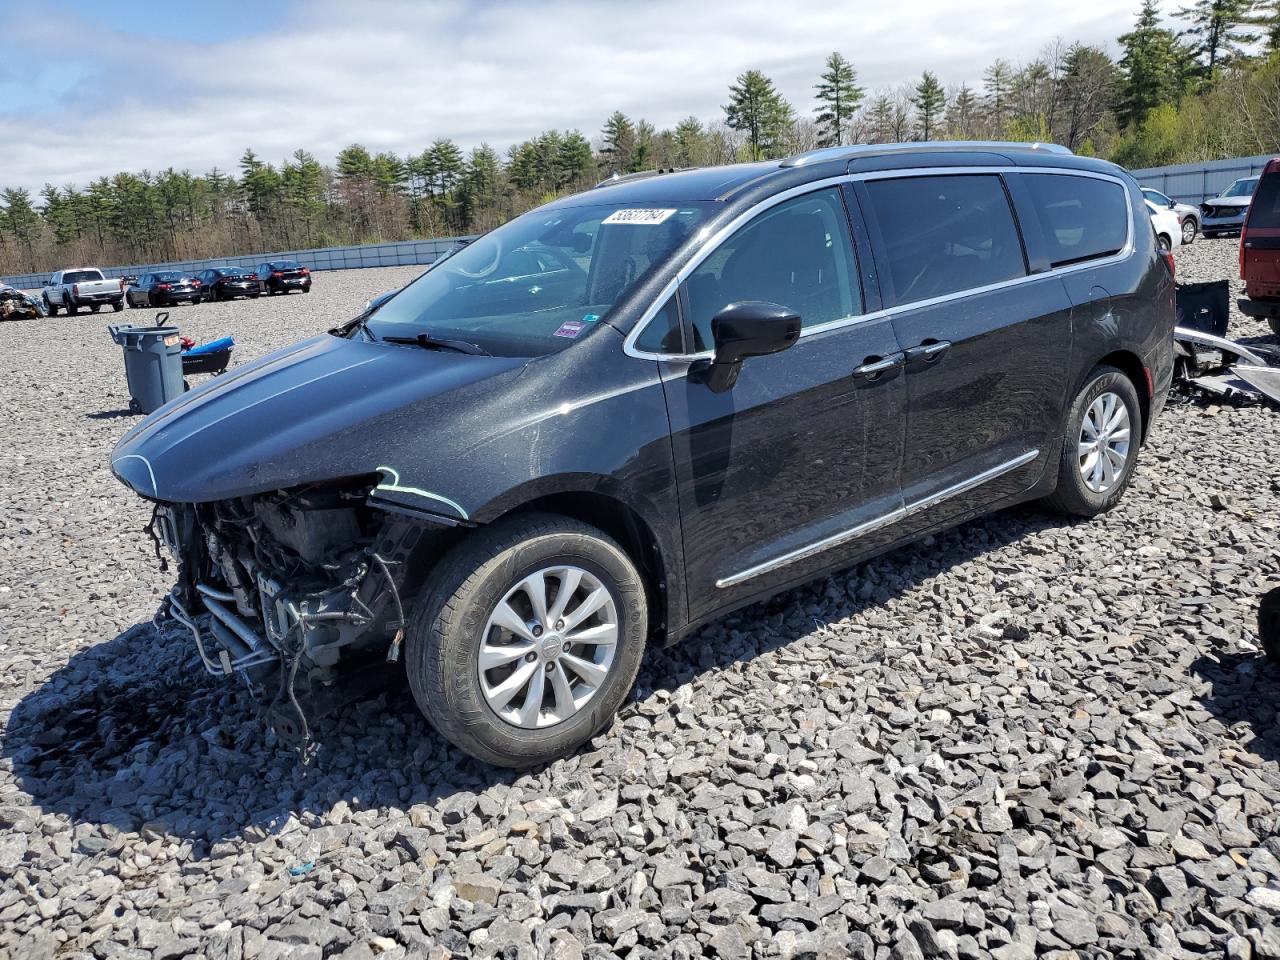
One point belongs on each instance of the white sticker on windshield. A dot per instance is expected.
(641, 215)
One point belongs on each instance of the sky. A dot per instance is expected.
(111, 85)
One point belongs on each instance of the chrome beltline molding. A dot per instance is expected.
(711, 243)
(893, 516)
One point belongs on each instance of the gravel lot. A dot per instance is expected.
(1021, 738)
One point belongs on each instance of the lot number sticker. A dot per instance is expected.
(642, 216)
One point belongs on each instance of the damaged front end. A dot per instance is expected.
(292, 589)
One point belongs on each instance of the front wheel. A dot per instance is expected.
(1100, 448)
(527, 639)
(49, 308)
(1188, 231)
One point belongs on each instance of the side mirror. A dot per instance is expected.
(752, 328)
(1172, 204)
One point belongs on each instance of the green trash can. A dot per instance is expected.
(152, 363)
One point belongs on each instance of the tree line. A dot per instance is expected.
(1203, 84)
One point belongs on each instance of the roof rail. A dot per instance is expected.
(872, 149)
(638, 175)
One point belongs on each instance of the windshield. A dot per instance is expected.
(169, 277)
(81, 276)
(285, 265)
(537, 284)
(230, 271)
(1241, 188)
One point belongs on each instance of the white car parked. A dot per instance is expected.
(1168, 226)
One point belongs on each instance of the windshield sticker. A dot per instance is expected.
(571, 328)
(591, 317)
(647, 216)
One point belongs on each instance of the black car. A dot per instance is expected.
(632, 410)
(227, 283)
(281, 276)
(163, 289)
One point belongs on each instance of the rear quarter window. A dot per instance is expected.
(1082, 218)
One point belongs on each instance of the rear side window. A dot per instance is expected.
(1265, 209)
(943, 235)
(1082, 218)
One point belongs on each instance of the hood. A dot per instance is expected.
(321, 409)
(1228, 202)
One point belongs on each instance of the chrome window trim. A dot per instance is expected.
(712, 243)
(884, 520)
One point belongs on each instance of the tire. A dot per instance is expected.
(1269, 624)
(1074, 495)
(49, 308)
(116, 306)
(1166, 243)
(452, 616)
(1188, 231)
(69, 305)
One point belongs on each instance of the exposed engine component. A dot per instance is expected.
(279, 588)
(16, 305)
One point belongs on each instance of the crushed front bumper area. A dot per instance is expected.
(291, 590)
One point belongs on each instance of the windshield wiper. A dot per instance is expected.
(440, 343)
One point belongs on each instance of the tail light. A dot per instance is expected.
(195, 283)
(122, 284)
(253, 276)
(162, 286)
(277, 273)
(75, 289)
(306, 271)
(1168, 260)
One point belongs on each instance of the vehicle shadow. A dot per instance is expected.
(1244, 693)
(131, 733)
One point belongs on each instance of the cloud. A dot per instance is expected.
(395, 76)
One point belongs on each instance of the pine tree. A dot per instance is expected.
(690, 142)
(574, 163)
(1150, 66)
(997, 82)
(20, 220)
(1218, 29)
(962, 114)
(839, 98)
(930, 100)
(619, 142)
(758, 110)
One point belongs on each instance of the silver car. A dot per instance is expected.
(1188, 216)
(1225, 213)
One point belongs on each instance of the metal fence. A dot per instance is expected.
(403, 253)
(1193, 182)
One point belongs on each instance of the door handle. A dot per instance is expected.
(873, 366)
(929, 351)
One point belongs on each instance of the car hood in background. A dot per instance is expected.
(322, 409)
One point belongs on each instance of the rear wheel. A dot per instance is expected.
(527, 639)
(1166, 242)
(117, 306)
(1100, 448)
(69, 305)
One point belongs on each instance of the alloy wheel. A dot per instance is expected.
(1103, 447)
(1188, 231)
(548, 646)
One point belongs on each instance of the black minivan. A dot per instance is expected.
(634, 409)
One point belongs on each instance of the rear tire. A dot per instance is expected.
(1081, 491)
(553, 708)
(116, 306)
(70, 306)
(1166, 242)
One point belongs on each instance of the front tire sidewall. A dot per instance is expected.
(1073, 494)
(445, 632)
(1188, 233)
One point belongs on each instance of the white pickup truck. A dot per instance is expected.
(82, 287)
